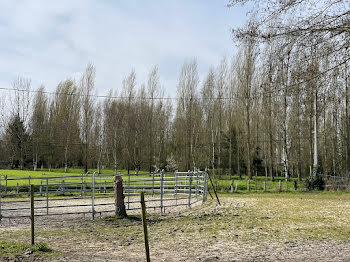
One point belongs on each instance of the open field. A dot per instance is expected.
(40, 175)
(247, 227)
(222, 183)
(60, 171)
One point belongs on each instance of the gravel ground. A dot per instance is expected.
(63, 210)
(267, 227)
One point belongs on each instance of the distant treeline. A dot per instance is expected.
(280, 106)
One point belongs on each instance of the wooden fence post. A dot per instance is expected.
(32, 214)
(248, 185)
(144, 223)
(5, 184)
(265, 186)
(152, 184)
(280, 186)
(17, 188)
(120, 210)
(295, 185)
(0, 200)
(212, 184)
(232, 187)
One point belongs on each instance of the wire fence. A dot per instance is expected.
(280, 184)
(336, 182)
(95, 194)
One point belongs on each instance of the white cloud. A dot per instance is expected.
(49, 41)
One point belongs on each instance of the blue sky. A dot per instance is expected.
(49, 41)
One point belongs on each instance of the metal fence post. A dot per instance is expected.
(63, 189)
(5, 184)
(93, 196)
(0, 201)
(152, 184)
(129, 182)
(82, 185)
(161, 190)
(232, 186)
(175, 189)
(47, 196)
(190, 189)
(197, 185)
(41, 188)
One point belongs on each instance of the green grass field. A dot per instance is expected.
(222, 183)
(38, 176)
(60, 171)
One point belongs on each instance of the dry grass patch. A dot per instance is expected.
(290, 227)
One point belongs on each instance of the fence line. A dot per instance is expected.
(58, 195)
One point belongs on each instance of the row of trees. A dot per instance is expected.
(279, 106)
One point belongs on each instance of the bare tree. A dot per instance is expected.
(87, 83)
(39, 126)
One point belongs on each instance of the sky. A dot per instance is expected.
(50, 41)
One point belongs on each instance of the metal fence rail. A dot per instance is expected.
(94, 193)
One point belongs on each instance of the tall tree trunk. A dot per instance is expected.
(347, 119)
(213, 147)
(66, 159)
(219, 140)
(271, 140)
(315, 165)
(324, 135)
(248, 140)
(286, 169)
(238, 156)
(230, 152)
(299, 136)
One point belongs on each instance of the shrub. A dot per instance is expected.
(315, 182)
